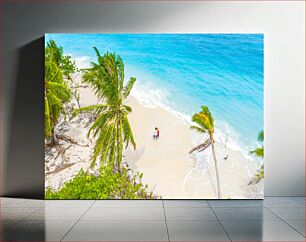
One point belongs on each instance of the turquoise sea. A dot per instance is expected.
(184, 71)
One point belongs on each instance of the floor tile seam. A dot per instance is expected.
(300, 202)
(66, 206)
(184, 207)
(116, 220)
(128, 207)
(168, 236)
(73, 225)
(24, 218)
(220, 223)
(213, 207)
(284, 207)
(19, 221)
(22, 207)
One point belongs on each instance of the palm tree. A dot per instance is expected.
(111, 127)
(56, 90)
(205, 125)
(259, 152)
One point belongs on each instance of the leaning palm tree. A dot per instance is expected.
(111, 127)
(205, 125)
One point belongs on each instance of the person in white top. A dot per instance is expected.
(156, 133)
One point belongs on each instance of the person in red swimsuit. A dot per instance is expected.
(156, 133)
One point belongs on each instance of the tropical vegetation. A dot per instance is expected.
(106, 185)
(110, 129)
(108, 176)
(56, 90)
(259, 152)
(205, 125)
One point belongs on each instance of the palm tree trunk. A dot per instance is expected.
(74, 92)
(54, 140)
(216, 167)
(75, 95)
(119, 144)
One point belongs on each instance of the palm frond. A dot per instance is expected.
(97, 51)
(101, 149)
(201, 147)
(60, 90)
(98, 148)
(96, 107)
(109, 143)
(202, 121)
(259, 152)
(127, 109)
(100, 59)
(127, 132)
(48, 123)
(120, 71)
(109, 63)
(259, 176)
(102, 78)
(198, 129)
(99, 123)
(128, 87)
(261, 136)
(206, 112)
(119, 141)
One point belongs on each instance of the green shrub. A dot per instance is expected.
(106, 185)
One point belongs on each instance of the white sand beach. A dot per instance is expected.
(167, 168)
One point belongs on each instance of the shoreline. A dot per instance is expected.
(166, 166)
(151, 97)
(173, 173)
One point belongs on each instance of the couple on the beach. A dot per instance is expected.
(156, 133)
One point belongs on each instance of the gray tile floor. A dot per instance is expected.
(274, 219)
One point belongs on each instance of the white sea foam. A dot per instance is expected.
(151, 96)
(82, 61)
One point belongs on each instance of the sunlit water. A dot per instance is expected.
(184, 71)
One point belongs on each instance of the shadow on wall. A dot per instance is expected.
(24, 168)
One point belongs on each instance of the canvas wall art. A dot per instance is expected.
(154, 116)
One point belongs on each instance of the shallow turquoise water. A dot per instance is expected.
(184, 71)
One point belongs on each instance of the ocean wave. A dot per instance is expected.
(82, 61)
(150, 96)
